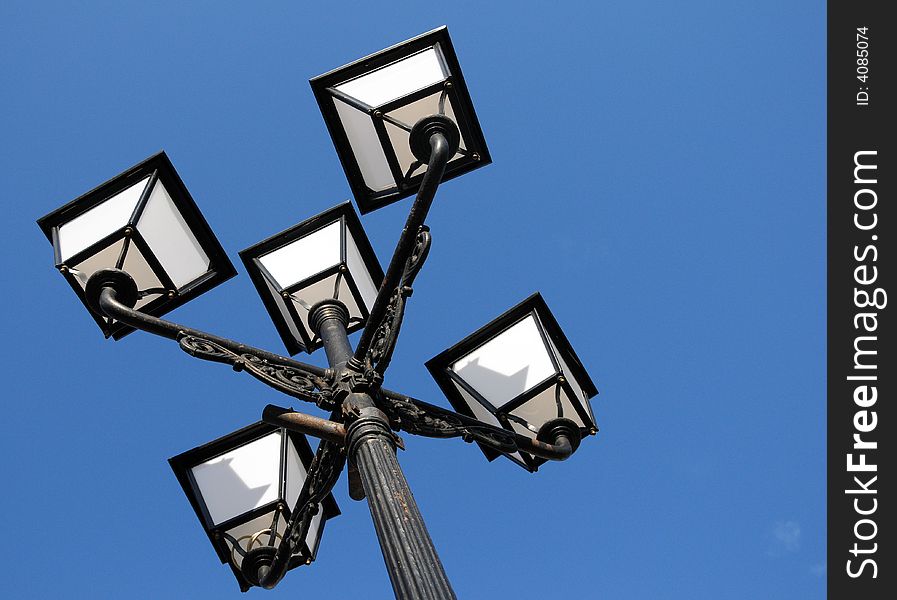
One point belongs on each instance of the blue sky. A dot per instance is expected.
(658, 175)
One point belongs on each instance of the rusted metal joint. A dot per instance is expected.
(303, 423)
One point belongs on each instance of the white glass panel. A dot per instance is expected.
(359, 272)
(411, 114)
(479, 411)
(397, 79)
(517, 427)
(320, 291)
(347, 298)
(101, 220)
(579, 395)
(399, 139)
(281, 306)
(135, 265)
(170, 239)
(507, 365)
(519, 457)
(524, 432)
(313, 530)
(570, 410)
(543, 408)
(240, 480)
(366, 147)
(305, 257)
(296, 474)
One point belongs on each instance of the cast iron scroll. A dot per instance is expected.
(323, 473)
(420, 418)
(287, 379)
(387, 333)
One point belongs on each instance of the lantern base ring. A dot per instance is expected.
(257, 560)
(124, 285)
(328, 308)
(425, 128)
(559, 432)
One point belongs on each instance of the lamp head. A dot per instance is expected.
(243, 488)
(325, 257)
(520, 373)
(372, 106)
(144, 223)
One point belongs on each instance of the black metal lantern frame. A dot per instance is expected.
(156, 169)
(279, 304)
(554, 341)
(182, 465)
(474, 153)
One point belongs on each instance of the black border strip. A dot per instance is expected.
(860, 274)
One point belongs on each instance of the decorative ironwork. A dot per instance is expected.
(387, 333)
(419, 254)
(323, 473)
(424, 419)
(287, 379)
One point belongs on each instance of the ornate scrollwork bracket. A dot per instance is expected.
(424, 419)
(287, 379)
(323, 473)
(322, 476)
(387, 333)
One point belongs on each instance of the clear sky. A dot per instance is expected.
(658, 175)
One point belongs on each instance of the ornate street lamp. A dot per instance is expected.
(519, 372)
(244, 487)
(145, 223)
(325, 257)
(136, 247)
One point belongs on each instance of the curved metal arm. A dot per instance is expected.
(291, 377)
(439, 157)
(418, 417)
(323, 472)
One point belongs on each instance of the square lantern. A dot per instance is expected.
(244, 486)
(371, 105)
(145, 223)
(327, 256)
(518, 372)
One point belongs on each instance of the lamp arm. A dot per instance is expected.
(323, 473)
(391, 286)
(420, 418)
(291, 377)
(387, 333)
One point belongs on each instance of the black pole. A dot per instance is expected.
(329, 319)
(414, 567)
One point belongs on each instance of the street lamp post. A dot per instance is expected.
(137, 247)
(411, 560)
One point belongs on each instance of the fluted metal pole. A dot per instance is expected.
(414, 567)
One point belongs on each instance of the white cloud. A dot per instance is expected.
(785, 538)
